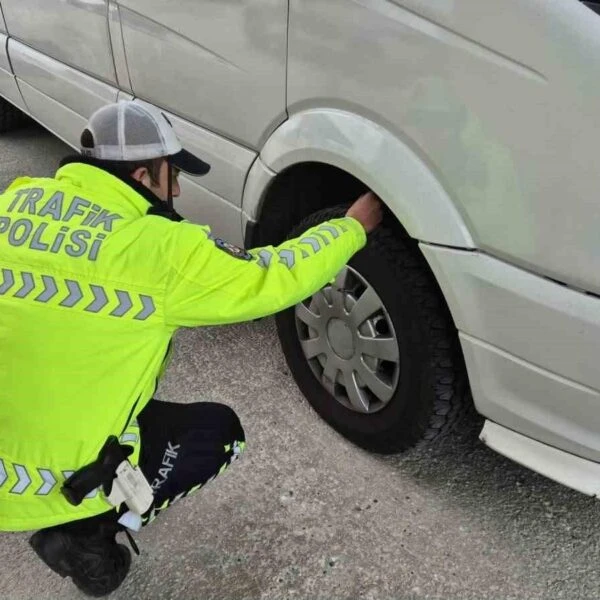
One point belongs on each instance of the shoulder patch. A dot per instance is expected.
(232, 250)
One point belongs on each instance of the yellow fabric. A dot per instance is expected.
(91, 291)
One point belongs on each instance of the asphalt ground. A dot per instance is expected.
(307, 515)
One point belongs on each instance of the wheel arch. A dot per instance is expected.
(340, 142)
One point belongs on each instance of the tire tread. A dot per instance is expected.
(447, 379)
(449, 382)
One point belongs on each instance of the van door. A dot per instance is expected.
(61, 56)
(217, 63)
(74, 32)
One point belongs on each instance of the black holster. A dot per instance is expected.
(99, 473)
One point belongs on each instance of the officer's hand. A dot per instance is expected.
(367, 211)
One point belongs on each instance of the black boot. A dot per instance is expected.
(93, 559)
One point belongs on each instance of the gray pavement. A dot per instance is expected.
(307, 515)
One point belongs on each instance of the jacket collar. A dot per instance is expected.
(90, 172)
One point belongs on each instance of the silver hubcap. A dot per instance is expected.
(349, 341)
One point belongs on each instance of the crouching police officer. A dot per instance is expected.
(97, 272)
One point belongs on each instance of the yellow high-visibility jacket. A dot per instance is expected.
(92, 288)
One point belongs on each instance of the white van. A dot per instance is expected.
(478, 124)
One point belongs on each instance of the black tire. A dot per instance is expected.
(432, 386)
(11, 117)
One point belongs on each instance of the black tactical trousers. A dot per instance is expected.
(183, 447)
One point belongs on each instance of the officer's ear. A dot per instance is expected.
(142, 175)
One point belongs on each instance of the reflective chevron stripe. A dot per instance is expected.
(127, 438)
(72, 293)
(318, 238)
(27, 287)
(287, 257)
(149, 309)
(125, 304)
(49, 482)
(323, 237)
(92, 494)
(100, 299)
(26, 480)
(50, 289)
(75, 294)
(331, 229)
(313, 242)
(265, 258)
(8, 280)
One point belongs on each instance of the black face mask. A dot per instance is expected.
(157, 206)
(170, 187)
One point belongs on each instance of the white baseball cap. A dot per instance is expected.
(127, 131)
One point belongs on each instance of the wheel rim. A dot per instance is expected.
(350, 343)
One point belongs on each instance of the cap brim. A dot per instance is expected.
(188, 163)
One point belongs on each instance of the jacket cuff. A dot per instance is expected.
(358, 231)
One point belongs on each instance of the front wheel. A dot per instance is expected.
(376, 353)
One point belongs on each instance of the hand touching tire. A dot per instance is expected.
(367, 210)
